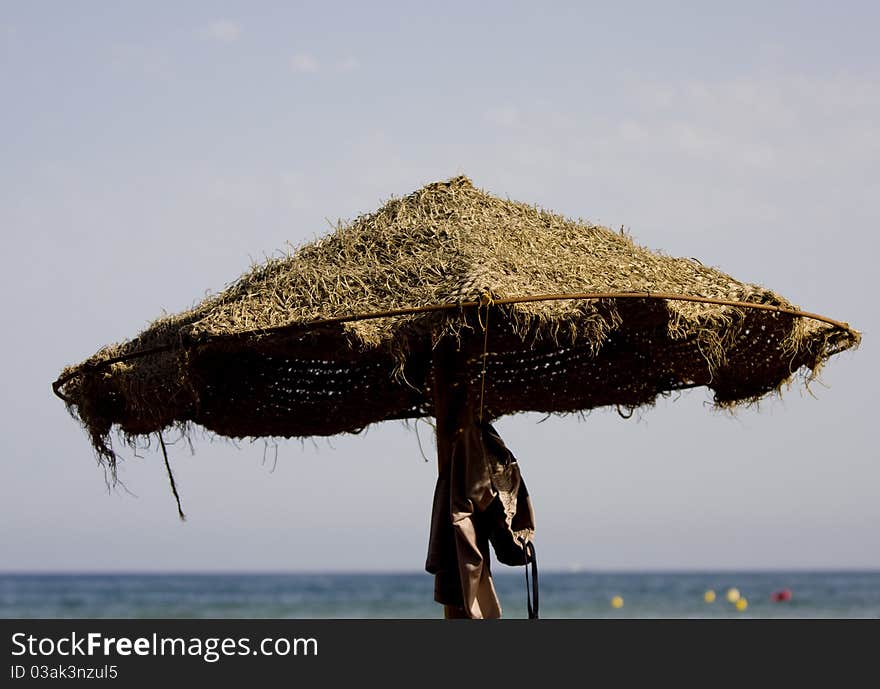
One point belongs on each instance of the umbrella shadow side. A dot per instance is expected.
(317, 381)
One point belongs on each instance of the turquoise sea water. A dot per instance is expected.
(572, 595)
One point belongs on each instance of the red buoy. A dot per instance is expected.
(781, 596)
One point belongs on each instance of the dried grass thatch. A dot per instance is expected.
(285, 350)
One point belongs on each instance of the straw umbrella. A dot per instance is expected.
(455, 304)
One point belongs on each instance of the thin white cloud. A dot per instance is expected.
(222, 31)
(781, 127)
(304, 63)
(349, 64)
(762, 122)
(506, 116)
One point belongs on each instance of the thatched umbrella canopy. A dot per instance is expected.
(555, 316)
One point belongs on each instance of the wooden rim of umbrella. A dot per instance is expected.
(486, 301)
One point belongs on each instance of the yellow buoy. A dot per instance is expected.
(617, 602)
(709, 596)
(741, 604)
(732, 595)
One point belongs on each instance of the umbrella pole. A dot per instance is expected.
(449, 396)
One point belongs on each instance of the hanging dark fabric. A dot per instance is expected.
(480, 499)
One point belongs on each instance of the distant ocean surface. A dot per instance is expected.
(571, 595)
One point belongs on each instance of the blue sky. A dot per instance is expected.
(151, 153)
